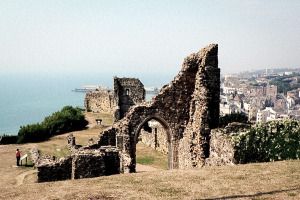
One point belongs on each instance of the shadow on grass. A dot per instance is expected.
(252, 195)
(26, 165)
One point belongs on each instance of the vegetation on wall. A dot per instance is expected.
(66, 120)
(271, 141)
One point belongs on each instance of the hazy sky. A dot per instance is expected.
(133, 37)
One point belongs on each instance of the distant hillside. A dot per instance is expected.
(273, 71)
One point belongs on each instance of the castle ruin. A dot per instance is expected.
(126, 93)
(187, 108)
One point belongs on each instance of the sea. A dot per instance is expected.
(27, 98)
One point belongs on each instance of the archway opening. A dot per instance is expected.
(153, 144)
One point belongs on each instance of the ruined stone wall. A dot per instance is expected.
(127, 92)
(85, 163)
(34, 155)
(104, 161)
(187, 108)
(204, 109)
(100, 102)
(221, 151)
(55, 170)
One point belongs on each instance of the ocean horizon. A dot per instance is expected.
(29, 98)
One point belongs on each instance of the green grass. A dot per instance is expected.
(147, 156)
(292, 194)
(146, 160)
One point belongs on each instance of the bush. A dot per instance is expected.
(66, 120)
(8, 139)
(271, 141)
(234, 117)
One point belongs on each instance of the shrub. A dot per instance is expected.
(32, 133)
(271, 141)
(8, 139)
(66, 120)
(234, 117)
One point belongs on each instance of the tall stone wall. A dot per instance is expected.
(100, 102)
(187, 108)
(127, 92)
(204, 110)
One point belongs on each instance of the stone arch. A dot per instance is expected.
(167, 129)
(188, 107)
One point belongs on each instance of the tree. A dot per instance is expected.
(234, 117)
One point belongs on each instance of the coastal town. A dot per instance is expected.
(263, 95)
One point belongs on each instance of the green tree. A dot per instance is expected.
(234, 117)
(66, 120)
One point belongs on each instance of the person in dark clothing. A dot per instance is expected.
(18, 155)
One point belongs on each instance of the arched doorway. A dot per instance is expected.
(155, 133)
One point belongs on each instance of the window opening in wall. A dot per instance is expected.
(127, 91)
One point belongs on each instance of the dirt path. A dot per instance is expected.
(145, 168)
(91, 119)
(21, 177)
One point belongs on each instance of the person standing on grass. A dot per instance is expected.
(18, 155)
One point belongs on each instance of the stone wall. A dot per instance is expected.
(94, 163)
(55, 170)
(34, 155)
(204, 109)
(100, 102)
(222, 151)
(187, 108)
(127, 92)
(72, 143)
(85, 163)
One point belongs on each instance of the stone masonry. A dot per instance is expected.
(222, 151)
(99, 102)
(187, 108)
(85, 163)
(127, 92)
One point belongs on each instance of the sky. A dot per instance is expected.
(140, 38)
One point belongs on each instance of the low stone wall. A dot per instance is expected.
(221, 151)
(34, 155)
(107, 138)
(55, 170)
(86, 163)
(94, 163)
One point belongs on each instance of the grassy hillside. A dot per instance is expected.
(258, 181)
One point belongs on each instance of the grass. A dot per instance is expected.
(147, 156)
(274, 180)
(202, 183)
(145, 161)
